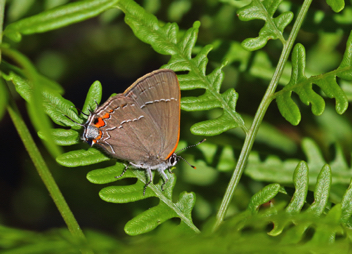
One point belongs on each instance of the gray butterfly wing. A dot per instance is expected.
(125, 130)
(158, 95)
(142, 124)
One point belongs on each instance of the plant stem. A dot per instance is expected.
(2, 11)
(250, 137)
(45, 174)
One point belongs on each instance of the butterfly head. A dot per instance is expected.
(173, 159)
(91, 134)
(91, 131)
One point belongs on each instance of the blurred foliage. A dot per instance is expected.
(104, 48)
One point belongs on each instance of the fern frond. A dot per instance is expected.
(54, 105)
(273, 28)
(150, 219)
(295, 220)
(56, 18)
(274, 169)
(302, 85)
(167, 40)
(35, 89)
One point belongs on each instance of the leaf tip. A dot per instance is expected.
(196, 24)
(13, 35)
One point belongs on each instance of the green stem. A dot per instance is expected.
(45, 174)
(268, 97)
(39, 162)
(2, 11)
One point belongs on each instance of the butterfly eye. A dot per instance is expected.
(173, 159)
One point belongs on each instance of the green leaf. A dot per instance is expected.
(274, 169)
(263, 196)
(63, 137)
(150, 219)
(108, 174)
(300, 180)
(48, 84)
(3, 97)
(324, 233)
(58, 17)
(273, 28)
(332, 90)
(325, 227)
(81, 158)
(36, 101)
(345, 68)
(336, 5)
(125, 194)
(321, 192)
(18, 8)
(166, 40)
(302, 85)
(215, 126)
(346, 207)
(288, 108)
(301, 183)
(93, 97)
(156, 215)
(53, 103)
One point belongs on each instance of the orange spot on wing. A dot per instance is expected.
(107, 115)
(99, 137)
(99, 122)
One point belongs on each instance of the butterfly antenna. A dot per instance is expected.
(200, 142)
(74, 121)
(81, 112)
(186, 162)
(84, 114)
(189, 147)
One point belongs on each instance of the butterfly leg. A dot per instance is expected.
(123, 172)
(164, 177)
(149, 175)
